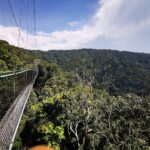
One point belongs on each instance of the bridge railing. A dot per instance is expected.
(11, 86)
(14, 92)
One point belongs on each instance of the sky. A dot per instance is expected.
(73, 24)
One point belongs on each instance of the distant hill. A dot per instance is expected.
(120, 72)
(60, 98)
(12, 57)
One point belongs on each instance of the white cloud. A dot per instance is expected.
(118, 21)
(73, 23)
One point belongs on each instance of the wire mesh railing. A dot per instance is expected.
(10, 87)
(14, 91)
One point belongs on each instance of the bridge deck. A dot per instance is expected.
(10, 126)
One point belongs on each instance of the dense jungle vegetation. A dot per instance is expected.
(12, 57)
(124, 71)
(85, 99)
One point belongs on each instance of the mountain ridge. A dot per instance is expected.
(126, 71)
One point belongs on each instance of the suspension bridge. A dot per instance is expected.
(15, 89)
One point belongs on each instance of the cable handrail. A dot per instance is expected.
(14, 73)
(9, 72)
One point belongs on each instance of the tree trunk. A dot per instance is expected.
(84, 142)
(80, 147)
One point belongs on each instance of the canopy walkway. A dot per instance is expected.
(15, 89)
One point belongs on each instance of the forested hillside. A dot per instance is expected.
(120, 72)
(84, 99)
(13, 58)
(68, 113)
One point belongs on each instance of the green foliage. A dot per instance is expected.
(71, 114)
(47, 127)
(93, 109)
(3, 65)
(95, 119)
(119, 72)
(44, 73)
(14, 58)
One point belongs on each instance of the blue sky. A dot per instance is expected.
(56, 14)
(51, 14)
(73, 24)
